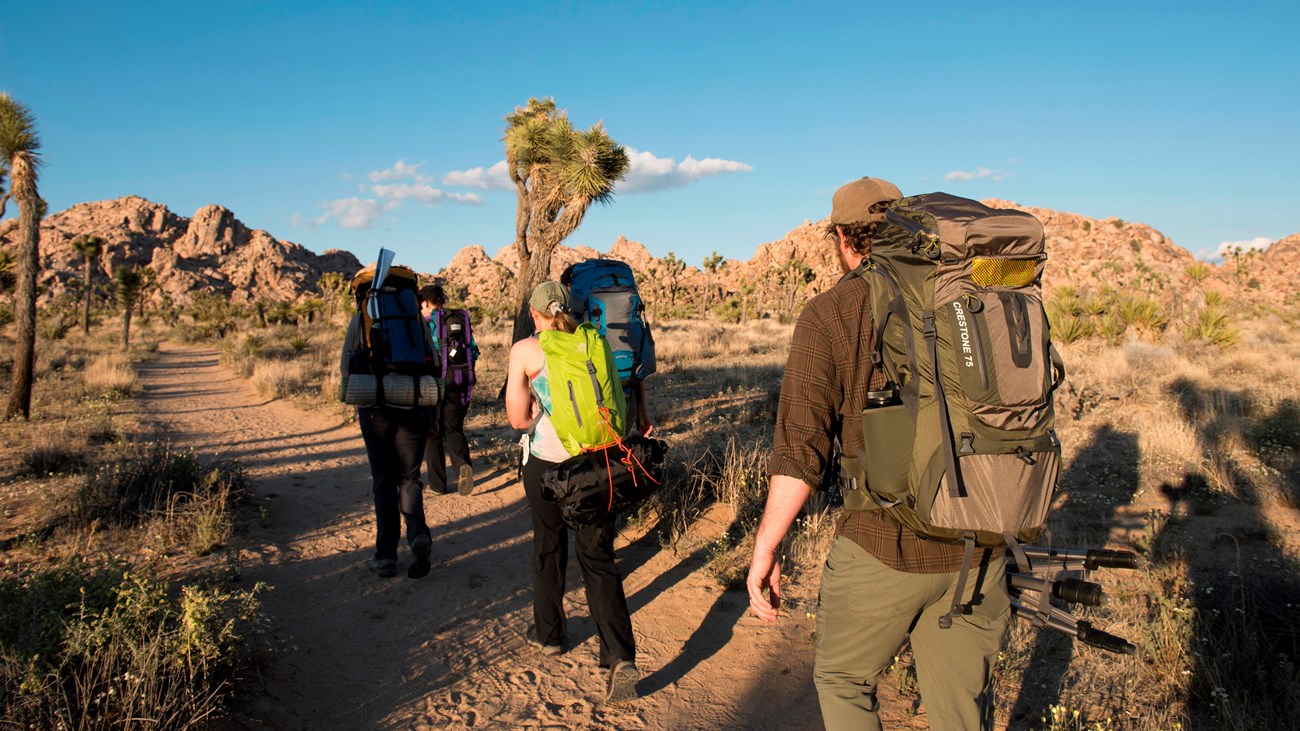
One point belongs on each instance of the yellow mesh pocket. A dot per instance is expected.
(1003, 272)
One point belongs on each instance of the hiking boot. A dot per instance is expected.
(621, 687)
(547, 650)
(422, 546)
(385, 567)
(466, 486)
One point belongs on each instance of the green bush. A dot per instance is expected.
(1143, 312)
(95, 646)
(1213, 326)
(1070, 328)
(154, 479)
(1197, 271)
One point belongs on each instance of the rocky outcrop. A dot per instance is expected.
(215, 252)
(212, 252)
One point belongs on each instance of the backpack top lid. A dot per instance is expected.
(398, 276)
(967, 228)
(584, 276)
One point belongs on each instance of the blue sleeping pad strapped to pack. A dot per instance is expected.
(604, 293)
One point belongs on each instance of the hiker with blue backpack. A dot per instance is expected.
(457, 353)
(562, 387)
(929, 368)
(604, 293)
(388, 373)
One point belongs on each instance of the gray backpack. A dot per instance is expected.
(961, 445)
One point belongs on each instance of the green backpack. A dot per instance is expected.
(961, 446)
(587, 406)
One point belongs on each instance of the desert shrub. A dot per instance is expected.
(110, 375)
(54, 459)
(1069, 328)
(1144, 313)
(53, 329)
(94, 646)
(279, 379)
(1111, 327)
(1213, 326)
(1064, 301)
(299, 343)
(729, 311)
(1197, 271)
(154, 479)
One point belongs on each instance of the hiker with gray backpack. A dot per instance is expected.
(562, 388)
(929, 368)
(457, 353)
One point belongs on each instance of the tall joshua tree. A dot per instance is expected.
(558, 173)
(90, 247)
(712, 264)
(20, 149)
(129, 283)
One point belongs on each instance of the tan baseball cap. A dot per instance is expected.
(546, 293)
(852, 203)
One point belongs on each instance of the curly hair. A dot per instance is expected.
(859, 235)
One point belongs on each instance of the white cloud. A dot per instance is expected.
(400, 170)
(353, 212)
(986, 173)
(1259, 243)
(396, 193)
(494, 177)
(298, 221)
(646, 172)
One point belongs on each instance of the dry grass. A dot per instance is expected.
(109, 645)
(110, 375)
(1181, 450)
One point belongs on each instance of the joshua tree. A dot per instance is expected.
(558, 173)
(128, 282)
(334, 291)
(671, 268)
(794, 275)
(712, 264)
(20, 149)
(90, 247)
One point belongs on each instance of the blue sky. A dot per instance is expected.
(359, 125)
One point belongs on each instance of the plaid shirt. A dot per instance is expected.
(823, 392)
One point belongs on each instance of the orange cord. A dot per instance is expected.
(628, 458)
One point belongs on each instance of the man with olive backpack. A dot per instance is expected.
(929, 365)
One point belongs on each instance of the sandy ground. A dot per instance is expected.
(448, 650)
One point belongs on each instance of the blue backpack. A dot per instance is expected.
(604, 293)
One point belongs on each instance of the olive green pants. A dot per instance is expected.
(867, 609)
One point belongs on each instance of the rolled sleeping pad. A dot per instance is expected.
(362, 390)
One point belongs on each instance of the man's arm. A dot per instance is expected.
(785, 498)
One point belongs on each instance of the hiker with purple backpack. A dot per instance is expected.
(458, 355)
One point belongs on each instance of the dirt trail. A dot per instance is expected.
(448, 650)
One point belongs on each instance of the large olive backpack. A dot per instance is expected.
(962, 446)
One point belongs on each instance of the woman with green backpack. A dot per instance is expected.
(562, 416)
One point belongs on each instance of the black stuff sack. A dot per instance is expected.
(602, 482)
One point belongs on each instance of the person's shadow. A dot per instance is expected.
(1102, 476)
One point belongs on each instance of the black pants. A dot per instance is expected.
(394, 443)
(449, 439)
(600, 577)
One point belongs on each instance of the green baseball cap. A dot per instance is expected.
(852, 203)
(546, 293)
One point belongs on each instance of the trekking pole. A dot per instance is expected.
(1073, 591)
(1079, 629)
(1091, 559)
